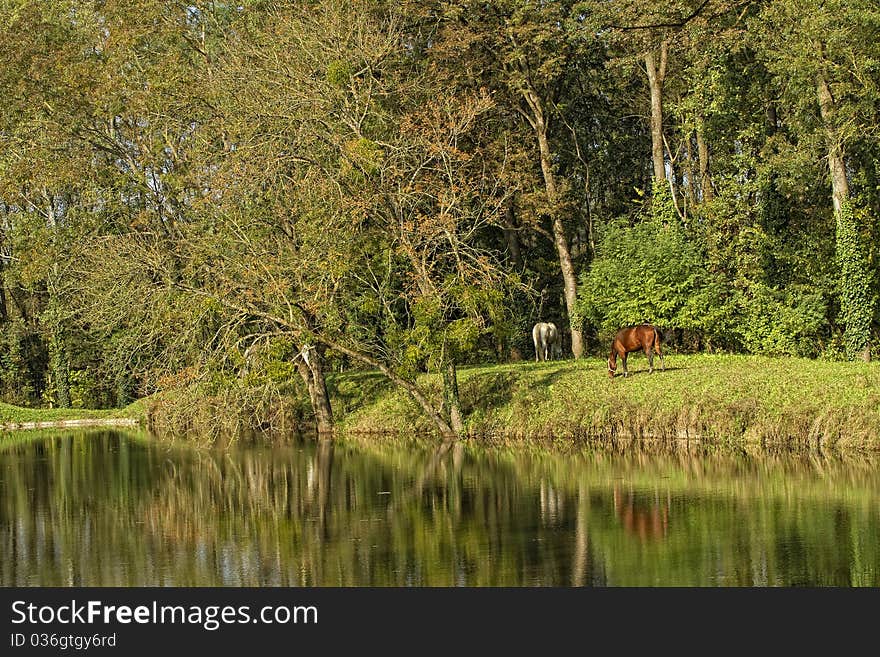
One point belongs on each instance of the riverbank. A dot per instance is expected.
(19, 418)
(714, 399)
(788, 402)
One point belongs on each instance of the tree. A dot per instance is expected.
(820, 56)
(348, 203)
(523, 53)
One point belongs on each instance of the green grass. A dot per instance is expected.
(19, 414)
(718, 399)
(707, 399)
(10, 414)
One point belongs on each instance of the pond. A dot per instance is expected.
(107, 508)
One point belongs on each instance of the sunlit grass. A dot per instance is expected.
(19, 414)
(719, 398)
(13, 416)
(707, 398)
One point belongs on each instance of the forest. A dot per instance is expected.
(254, 196)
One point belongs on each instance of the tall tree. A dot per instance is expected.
(522, 52)
(655, 66)
(820, 55)
(361, 188)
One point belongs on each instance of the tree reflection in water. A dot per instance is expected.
(116, 509)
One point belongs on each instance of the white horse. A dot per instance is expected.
(545, 335)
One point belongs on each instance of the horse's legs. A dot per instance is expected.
(650, 355)
(625, 371)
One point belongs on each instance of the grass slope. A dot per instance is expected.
(10, 414)
(710, 398)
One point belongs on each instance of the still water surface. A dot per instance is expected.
(115, 509)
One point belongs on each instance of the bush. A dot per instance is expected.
(651, 272)
(647, 272)
(776, 322)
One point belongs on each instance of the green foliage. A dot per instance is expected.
(662, 210)
(652, 272)
(437, 337)
(338, 73)
(778, 322)
(647, 272)
(23, 361)
(856, 294)
(364, 154)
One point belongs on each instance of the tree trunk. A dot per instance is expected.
(656, 75)
(691, 189)
(59, 365)
(569, 278)
(451, 400)
(590, 232)
(772, 119)
(60, 373)
(512, 238)
(836, 165)
(855, 300)
(311, 369)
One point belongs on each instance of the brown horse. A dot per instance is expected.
(643, 337)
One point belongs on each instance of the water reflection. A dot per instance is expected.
(115, 509)
(643, 516)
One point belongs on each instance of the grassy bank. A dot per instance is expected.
(707, 399)
(718, 399)
(15, 417)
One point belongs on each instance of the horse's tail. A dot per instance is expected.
(658, 337)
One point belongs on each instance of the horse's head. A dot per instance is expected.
(612, 365)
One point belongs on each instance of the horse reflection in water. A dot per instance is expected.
(648, 522)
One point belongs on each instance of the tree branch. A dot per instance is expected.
(652, 26)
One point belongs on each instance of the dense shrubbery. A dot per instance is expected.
(643, 273)
(652, 272)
